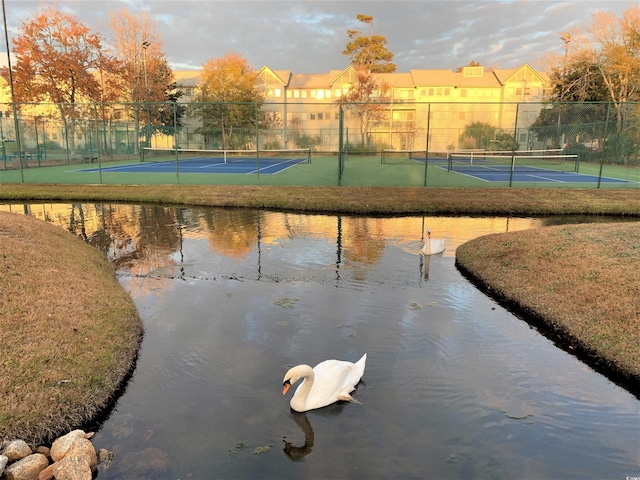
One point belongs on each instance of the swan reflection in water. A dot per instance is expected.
(298, 453)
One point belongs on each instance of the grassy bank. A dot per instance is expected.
(358, 200)
(69, 333)
(579, 283)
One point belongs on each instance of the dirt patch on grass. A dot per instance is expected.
(69, 333)
(579, 283)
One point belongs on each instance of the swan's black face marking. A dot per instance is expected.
(286, 382)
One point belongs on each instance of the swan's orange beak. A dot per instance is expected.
(286, 388)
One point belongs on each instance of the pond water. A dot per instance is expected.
(455, 386)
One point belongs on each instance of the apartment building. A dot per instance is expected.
(441, 102)
(421, 106)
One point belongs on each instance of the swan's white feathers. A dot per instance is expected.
(432, 246)
(327, 383)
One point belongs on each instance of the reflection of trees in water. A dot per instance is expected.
(232, 233)
(144, 236)
(363, 244)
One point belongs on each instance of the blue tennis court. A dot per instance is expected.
(498, 173)
(159, 160)
(530, 166)
(242, 167)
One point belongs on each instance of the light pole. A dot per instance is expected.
(13, 96)
(145, 45)
(566, 38)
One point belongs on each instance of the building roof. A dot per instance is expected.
(470, 77)
(449, 78)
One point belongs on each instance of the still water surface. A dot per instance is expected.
(455, 385)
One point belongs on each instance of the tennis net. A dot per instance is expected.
(412, 157)
(206, 157)
(520, 161)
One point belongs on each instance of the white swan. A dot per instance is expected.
(432, 246)
(326, 383)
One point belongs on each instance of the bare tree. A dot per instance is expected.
(145, 76)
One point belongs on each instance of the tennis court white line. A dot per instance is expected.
(275, 165)
(546, 178)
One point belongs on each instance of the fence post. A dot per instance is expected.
(606, 135)
(257, 145)
(426, 148)
(340, 144)
(513, 146)
(175, 140)
(98, 151)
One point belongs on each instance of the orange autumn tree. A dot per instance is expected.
(229, 102)
(57, 60)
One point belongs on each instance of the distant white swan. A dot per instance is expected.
(328, 382)
(432, 246)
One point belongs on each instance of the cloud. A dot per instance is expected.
(308, 36)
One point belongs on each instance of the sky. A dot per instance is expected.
(308, 36)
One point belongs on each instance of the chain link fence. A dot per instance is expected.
(586, 145)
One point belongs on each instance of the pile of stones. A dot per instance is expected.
(71, 457)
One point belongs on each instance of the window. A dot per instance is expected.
(304, 93)
(296, 94)
(337, 93)
(320, 94)
(312, 116)
(320, 116)
(404, 93)
(404, 115)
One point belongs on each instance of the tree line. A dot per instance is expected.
(61, 61)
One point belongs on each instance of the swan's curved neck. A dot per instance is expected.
(299, 399)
